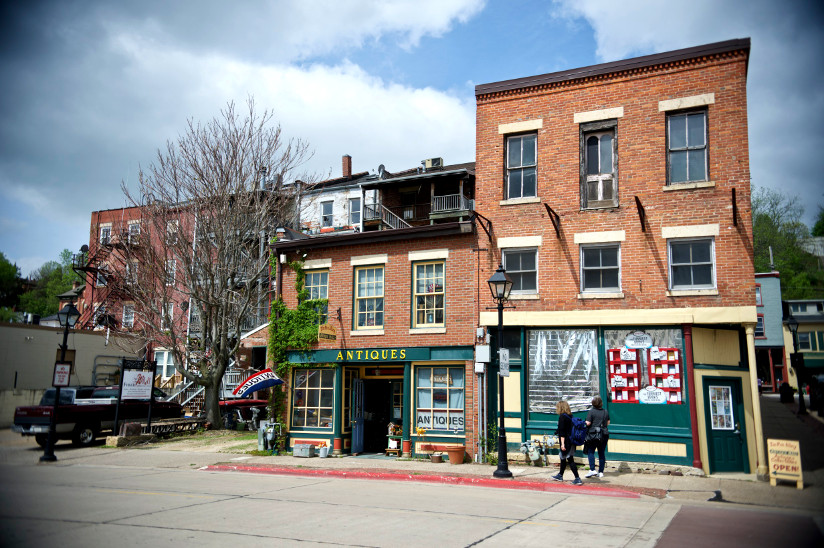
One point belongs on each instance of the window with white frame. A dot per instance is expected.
(317, 284)
(598, 166)
(128, 315)
(440, 398)
(134, 232)
(600, 268)
(759, 326)
(429, 294)
(521, 162)
(326, 216)
(105, 234)
(102, 273)
(172, 228)
(354, 211)
(313, 398)
(369, 297)
(758, 301)
(692, 264)
(804, 341)
(522, 267)
(687, 147)
(165, 367)
(167, 316)
(130, 276)
(171, 268)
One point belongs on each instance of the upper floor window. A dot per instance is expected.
(171, 231)
(171, 268)
(600, 268)
(805, 341)
(105, 234)
(167, 316)
(317, 284)
(692, 264)
(687, 147)
(130, 276)
(521, 158)
(354, 211)
(759, 326)
(134, 232)
(758, 301)
(165, 363)
(429, 294)
(522, 267)
(128, 315)
(326, 216)
(369, 297)
(599, 155)
(102, 271)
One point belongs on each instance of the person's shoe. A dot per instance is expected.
(577, 481)
(591, 473)
(600, 474)
(558, 477)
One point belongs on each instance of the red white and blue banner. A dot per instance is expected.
(258, 381)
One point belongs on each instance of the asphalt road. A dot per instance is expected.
(138, 497)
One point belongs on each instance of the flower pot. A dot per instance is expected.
(436, 458)
(456, 454)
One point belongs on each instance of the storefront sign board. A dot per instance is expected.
(652, 395)
(785, 461)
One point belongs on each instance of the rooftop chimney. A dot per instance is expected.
(347, 166)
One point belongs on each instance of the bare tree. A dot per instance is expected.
(197, 274)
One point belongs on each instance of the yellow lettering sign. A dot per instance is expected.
(394, 353)
(349, 354)
(403, 355)
(340, 356)
(373, 355)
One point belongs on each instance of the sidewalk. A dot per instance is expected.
(779, 421)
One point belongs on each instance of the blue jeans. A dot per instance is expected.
(601, 445)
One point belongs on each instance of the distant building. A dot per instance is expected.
(770, 356)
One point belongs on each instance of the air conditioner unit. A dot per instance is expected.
(434, 162)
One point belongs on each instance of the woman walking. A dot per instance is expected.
(567, 447)
(597, 436)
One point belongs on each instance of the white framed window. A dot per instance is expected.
(172, 228)
(439, 398)
(369, 297)
(692, 263)
(600, 268)
(105, 235)
(167, 316)
(354, 211)
(521, 163)
(599, 159)
(165, 363)
(102, 272)
(326, 214)
(805, 341)
(128, 315)
(687, 147)
(758, 301)
(130, 275)
(134, 232)
(317, 284)
(429, 294)
(313, 398)
(171, 268)
(522, 267)
(759, 327)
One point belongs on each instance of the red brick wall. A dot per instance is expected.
(641, 135)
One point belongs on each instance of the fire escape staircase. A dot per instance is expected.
(387, 218)
(193, 397)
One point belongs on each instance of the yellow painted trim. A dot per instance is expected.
(715, 346)
(512, 392)
(658, 448)
(654, 316)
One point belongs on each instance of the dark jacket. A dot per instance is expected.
(565, 428)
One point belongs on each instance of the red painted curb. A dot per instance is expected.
(428, 478)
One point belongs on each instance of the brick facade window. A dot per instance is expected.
(692, 264)
(521, 161)
(171, 269)
(128, 315)
(369, 297)
(171, 231)
(600, 268)
(313, 398)
(687, 147)
(599, 164)
(522, 267)
(165, 361)
(105, 235)
(429, 294)
(317, 284)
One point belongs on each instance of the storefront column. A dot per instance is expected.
(409, 423)
(337, 441)
(690, 374)
(761, 459)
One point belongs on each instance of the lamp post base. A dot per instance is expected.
(502, 473)
(48, 458)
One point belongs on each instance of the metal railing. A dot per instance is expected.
(452, 202)
(378, 212)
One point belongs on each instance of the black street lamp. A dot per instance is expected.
(797, 361)
(500, 285)
(67, 316)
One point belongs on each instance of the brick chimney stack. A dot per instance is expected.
(347, 166)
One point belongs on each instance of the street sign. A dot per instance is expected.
(62, 374)
(503, 369)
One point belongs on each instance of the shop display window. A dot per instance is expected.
(440, 398)
(313, 398)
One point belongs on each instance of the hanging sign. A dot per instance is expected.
(327, 332)
(638, 339)
(652, 395)
(503, 353)
(137, 385)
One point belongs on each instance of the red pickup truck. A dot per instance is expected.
(86, 411)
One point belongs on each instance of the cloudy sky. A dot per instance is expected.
(91, 89)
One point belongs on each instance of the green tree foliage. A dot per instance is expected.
(777, 225)
(818, 227)
(9, 282)
(50, 280)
